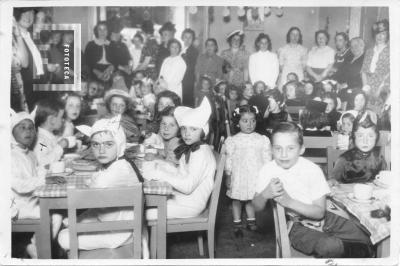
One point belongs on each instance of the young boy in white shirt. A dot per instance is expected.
(49, 117)
(300, 186)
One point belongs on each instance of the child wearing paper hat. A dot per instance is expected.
(193, 179)
(26, 175)
(108, 143)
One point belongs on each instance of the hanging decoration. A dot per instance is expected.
(278, 12)
(226, 13)
(193, 10)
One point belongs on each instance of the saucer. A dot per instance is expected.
(353, 198)
(380, 184)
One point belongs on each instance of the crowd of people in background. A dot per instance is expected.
(340, 84)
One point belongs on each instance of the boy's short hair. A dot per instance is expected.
(46, 108)
(365, 122)
(289, 127)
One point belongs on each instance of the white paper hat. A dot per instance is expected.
(112, 125)
(194, 117)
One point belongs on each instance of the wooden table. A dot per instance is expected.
(378, 227)
(151, 200)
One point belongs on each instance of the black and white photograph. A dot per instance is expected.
(260, 132)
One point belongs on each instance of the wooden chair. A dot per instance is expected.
(283, 247)
(319, 143)
(294, 112)
(205, 221)
(106, 198)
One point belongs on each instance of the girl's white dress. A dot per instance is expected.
(246, 154)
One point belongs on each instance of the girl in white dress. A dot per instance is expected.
(247, 152)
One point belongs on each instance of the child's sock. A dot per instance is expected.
(251, 224)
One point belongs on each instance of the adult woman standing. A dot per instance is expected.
(167, 33)
(237, 59)
(320, 58)
(342, 57)
(263, 64)
(173, 68)
(98, 54)
(149, 51)
(26, 59)
(292, 56)
(209, 63)
(375, 71)
(189, 54)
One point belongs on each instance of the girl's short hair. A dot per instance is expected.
(190, 31)
(147, 27)
(239, 111)
(288, 127)
(65, 97)
(167, 26)
(17, 12)
(365, 122)
(323, 32)
(96, 28)
(290, 31)
(259, 82)
(361, 92)
(349, 116)
(299, 89)
(139, 36)
(330, 95)
(276, 95)
(205, 77)
(259, 38)
(172, 41)
(167, 94)
(45, 108)
(214, 41)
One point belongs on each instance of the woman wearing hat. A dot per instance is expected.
(375, 71)
(119, 102)
(236, 58)
(193, 180)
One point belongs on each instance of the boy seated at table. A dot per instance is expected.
(49, 117)
(108, 144)
(299, 185)
(193, 179)
(363, 162)
(26, 175)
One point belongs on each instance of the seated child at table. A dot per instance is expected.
(247, 93)
(72, 111)
(247, 151)
(299, 185)
(193, 179)
(292, 76)
(345, 129)
(26, 174)
(293, 93)
(49, 117)
(333, 115)
(108, 144)
(275, 112)
(363, 162)
(169, 134)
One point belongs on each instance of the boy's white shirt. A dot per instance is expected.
(47, 149)
(304, 181)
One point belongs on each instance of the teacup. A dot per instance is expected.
(57, 167)
(384, 177)
(362, 191)
(71, 141)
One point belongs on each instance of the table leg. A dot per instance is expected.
(44, 245)
(383, 248)
(162, 229)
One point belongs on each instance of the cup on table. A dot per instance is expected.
(57, 167)
(71, 141)
(362, 191)
(384, 177)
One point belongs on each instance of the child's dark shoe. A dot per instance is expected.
(251, 225)
(238, 232)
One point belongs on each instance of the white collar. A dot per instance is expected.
(46, 133)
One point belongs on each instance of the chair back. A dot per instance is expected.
(294, 112)
(131, 196)
(213, 204)
(319, 143)
(281, 231)
(332, 155)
